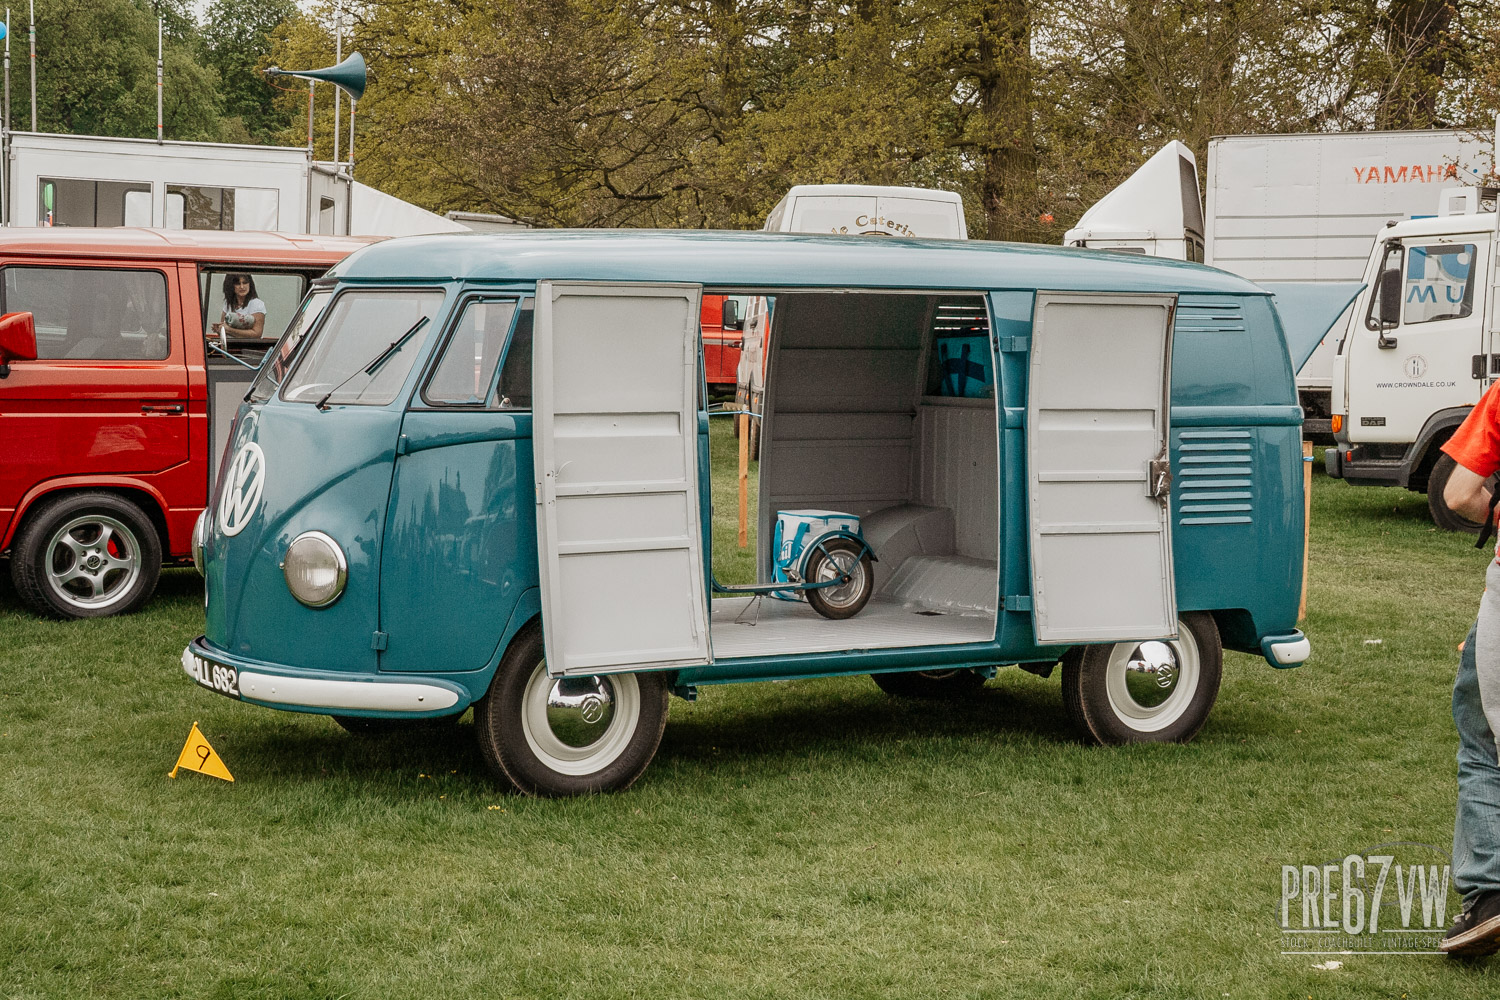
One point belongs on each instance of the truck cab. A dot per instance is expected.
(1417, 352)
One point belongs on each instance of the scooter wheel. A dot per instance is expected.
(836, 560)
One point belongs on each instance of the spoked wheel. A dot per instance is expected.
(930, 683)
(87, 555)
(1158, 691)
(840, 560)
(568, 735)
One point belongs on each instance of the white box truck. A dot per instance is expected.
(1285, 209)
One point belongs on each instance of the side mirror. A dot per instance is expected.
(732, 319)
(17, 340)
(1389, 291)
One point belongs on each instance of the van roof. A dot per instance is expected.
(870, 190)
(756, 260)
(179, 244)
(1441, 225)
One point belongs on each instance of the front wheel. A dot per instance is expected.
(569, 735)
(1443, 516)
(86, 555)
(1158, 691)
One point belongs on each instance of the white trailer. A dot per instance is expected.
(1307, 208)
(98, 181)
(1284, 209)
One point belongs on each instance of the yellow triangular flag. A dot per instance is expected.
(198, 756)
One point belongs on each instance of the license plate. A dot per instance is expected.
(214, 676)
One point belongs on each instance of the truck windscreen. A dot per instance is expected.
(279, 361)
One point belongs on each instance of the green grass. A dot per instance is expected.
(806, 839)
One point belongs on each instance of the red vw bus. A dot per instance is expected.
(113, 417)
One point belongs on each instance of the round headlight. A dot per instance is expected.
(198, 527)
(315, 569)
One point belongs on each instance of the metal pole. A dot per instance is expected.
(352, 105)
(310, 210)
(33, 65)
(7, 69)
(338, 57)
(158, 82)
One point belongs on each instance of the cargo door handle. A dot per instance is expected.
(163, 408)
(1160, 488)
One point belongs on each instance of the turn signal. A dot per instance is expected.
(1338, 422)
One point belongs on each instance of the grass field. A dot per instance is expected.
(808, 839)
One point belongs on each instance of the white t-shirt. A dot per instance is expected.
(243, 319)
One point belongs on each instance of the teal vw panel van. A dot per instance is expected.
(480, 478)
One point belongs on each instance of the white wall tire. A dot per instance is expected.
(1146, 692)
(568, 736)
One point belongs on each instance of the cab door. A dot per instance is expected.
(615, 438)
(1101, 541)
(1426, 361)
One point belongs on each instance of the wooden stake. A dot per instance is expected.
(1307, 454)
(744, 420)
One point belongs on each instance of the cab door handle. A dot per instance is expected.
(163, 408)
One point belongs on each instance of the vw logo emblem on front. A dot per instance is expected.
(242, 489)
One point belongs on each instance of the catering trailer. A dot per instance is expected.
(482, 479)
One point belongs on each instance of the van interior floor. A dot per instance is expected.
(766, 626)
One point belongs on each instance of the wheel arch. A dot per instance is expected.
(149, 500)
(1423, 454)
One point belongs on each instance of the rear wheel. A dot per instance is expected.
(569, 735)
(938, 684)
(1442, 515)
(1159, 691)
(86, 555)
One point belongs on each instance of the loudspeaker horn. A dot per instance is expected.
(348, 76)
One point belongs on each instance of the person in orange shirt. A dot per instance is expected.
(1475, 446)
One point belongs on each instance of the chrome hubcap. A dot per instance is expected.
(580, 709)
(1151, 684)
(92, 561)
(840, 563)
(1151, 674)
(579, 725)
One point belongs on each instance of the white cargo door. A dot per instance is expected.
(1101, 555)
(619, 540)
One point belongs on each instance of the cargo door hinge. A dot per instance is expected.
(1017, 602)
(401, 444)
(378, 641)
(1015, 345)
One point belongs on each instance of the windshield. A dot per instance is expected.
(339, 367)
(276, 363)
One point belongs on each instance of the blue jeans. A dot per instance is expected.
(1476, 829)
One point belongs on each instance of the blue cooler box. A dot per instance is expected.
(964, 364)
(795, 530)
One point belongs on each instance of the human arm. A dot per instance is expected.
(1465, 493)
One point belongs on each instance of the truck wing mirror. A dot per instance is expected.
(1389, 291)
(732, 319)
(17, 340)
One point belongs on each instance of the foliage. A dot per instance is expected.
(702, 112)
(96, 68)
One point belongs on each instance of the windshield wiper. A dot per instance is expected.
(374, 366)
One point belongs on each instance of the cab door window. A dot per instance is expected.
(466, 370)
(92, 314)
(1439, 283)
